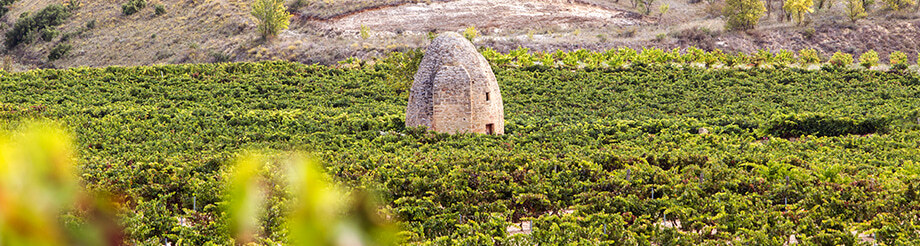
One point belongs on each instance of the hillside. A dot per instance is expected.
(653, 153)
(201, 31)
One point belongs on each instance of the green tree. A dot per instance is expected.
(856, 10)
(28, 25)
(662, 10)
(798, 9)
(271, 17)
(743, 14)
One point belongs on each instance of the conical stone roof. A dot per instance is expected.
(455, 90)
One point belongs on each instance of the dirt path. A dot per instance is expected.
(486, 15)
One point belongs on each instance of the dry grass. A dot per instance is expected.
(190, 32)
(195, 31)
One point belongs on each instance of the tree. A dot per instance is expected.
(645, 6)
(743, 14)
(798, 9)
(663, 9)
(769, 5)
(856, 10)
(271, 17)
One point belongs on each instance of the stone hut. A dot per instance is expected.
(455, 90)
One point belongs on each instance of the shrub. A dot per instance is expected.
(220, 57)
(67, 36)
(298, 4)
(898, 60)
(898, 4)
(855, 10)
(743, 14)
(627, 33)
(365, 32)
(72, 5)
(470, 33)
(809, 56)
(7, 63)
(133, 6)
(159, 9)
(809, 32)
(49, 33)
(714, 8)
(271, 17)
(91, 24)
(59, 51)
(50, 16)
(5, 6)
(817, 124)
(841, 59)
(868, 59)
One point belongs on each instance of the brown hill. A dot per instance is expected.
(195, 31)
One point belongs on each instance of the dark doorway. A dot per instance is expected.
(490, 129)
(487, 96)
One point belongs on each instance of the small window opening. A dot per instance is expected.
(487, 96)
(490, 129)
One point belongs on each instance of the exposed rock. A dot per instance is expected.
(455, 90)
(702, 130)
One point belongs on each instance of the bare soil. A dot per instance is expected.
(491, 15)
(195, 31)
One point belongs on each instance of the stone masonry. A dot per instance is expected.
(455, 90)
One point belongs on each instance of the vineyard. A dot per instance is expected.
(623, 147)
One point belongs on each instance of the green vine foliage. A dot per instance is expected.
(841, 60)
(898, 60)
(624, 146)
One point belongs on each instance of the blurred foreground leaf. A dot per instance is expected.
(320, 212)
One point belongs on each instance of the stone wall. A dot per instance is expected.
(449, 93)
(452, 106)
